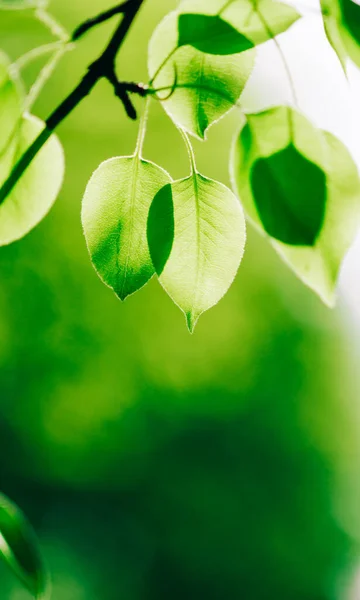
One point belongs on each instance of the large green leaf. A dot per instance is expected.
(220, 27)
(10, 104)
(36, 191)
(313, 199)
(114, 215)
(207, 86)
(20, 550)
(198, 244)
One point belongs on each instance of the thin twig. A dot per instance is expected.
(103, 67)
(105, 16)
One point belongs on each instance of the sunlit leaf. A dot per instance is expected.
(220, 27)
(315, 234)
(20, 550)
(208, 228)
(10, 104)
(207, 86)
(36, 191)
(114, 215)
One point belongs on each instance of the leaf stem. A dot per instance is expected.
(52, 24)
(103, 67)
(190, 150)
(142, 129)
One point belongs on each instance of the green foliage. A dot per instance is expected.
(309, 197)
(37, 190)
(342, 26)
(298, 185)
(19, 548)
(207, 86)
(208, 244)
(114, 214)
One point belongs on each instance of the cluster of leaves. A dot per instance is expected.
(298, 185)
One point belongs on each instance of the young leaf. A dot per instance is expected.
(10, 104)
(198, 245)
(36, 191)
(207, 86)
(20, 550)
(114, 216)
(312, 204)
(220, 27)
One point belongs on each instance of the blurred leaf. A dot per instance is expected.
(342, 26)
(20, 550)
(10, 103)
(210, 33)
(208, 244)
(229, 28)
(36, 191)
(114, 214)
(20, 4)
(207, 86)
(323, 156)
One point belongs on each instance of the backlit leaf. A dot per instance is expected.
(312, 201)
(114, 214)
(342, 26)
(36, 191)
(19, 548)
(10, 104)
(199, 244)
(207, 86)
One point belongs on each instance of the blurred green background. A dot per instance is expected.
(153, 464)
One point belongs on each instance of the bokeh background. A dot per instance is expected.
(157, 465)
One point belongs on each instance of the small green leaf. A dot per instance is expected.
(342, 27)
(10, 104)
(312, 203)
(36, 191)
(114, 215)
(20, 550)
(211, 34)
(198, 266)
(207, 86)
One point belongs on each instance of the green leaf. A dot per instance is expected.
(207, 86)
(10, 104)
(36, 191)
(220, 27)
(114, 214)
(211, 34)
(197, 265)
(342, 26)
(19, 548)
(314, 193)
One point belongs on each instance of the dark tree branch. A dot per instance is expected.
(103, 67)
(105, 16)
